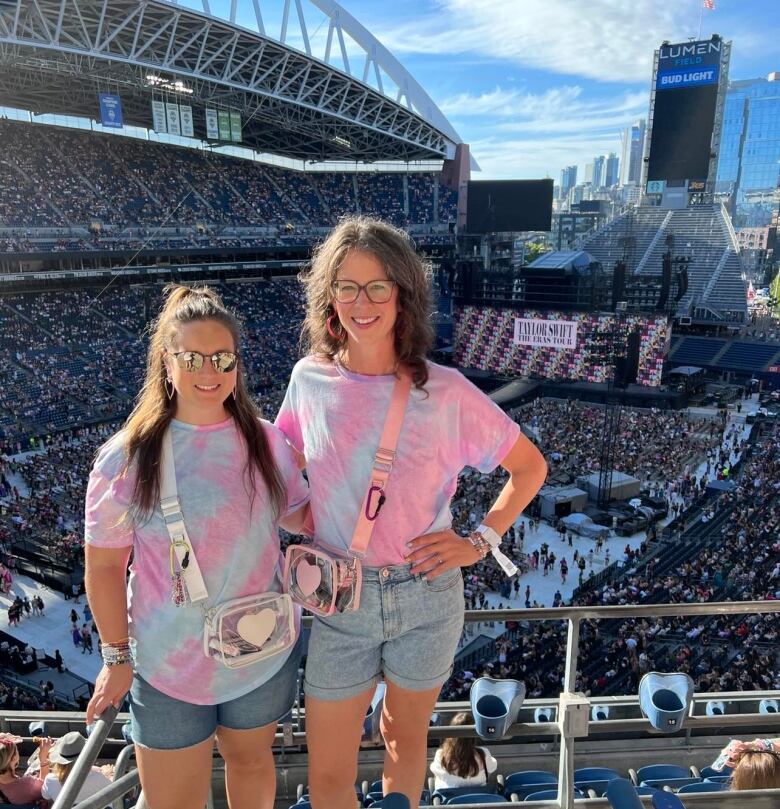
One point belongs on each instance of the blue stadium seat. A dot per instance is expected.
(447, 793)
(622, 794)
(518, 780)
(655, 772)
(595, 778)
(703, 786)
(672, 783)
(548, 795)
(666, 800)
(709, 772)
(719, 779)
(476, 797)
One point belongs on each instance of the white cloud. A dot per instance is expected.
(607, 40)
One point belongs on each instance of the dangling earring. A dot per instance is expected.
(169, 389)
(234, 391)
(329, 326)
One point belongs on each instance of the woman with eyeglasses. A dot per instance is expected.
(237, 480)
(367, 324)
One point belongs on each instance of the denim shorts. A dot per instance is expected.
(406, 629)
(161, 722)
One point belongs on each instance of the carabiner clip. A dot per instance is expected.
(178, 543)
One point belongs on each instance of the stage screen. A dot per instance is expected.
(485, 338)
(686, 86)
(508, 206)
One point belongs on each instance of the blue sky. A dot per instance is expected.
(533, 85)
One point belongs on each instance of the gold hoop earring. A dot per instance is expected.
(169, 389)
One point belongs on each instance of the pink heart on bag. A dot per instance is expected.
(257, 628)
(308, 577)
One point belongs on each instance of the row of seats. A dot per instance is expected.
(536, 785)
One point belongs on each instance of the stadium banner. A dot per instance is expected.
(159, 124)
(172, 116)
(187, 128)
(224, 124)
(688, 64)
(235, 126)
(551, 333)
(212, 126)
(110, 110)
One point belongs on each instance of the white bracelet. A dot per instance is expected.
(491, 536)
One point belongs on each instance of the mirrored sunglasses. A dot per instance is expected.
(223, 361)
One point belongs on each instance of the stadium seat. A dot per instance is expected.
(395, 800)
(666, 800)
(672, 783)
(654, 772)
(767, 706)
(622, 794)
(371, 731)
(446, 794)
(548, 795)
(595, 778)
(711, 772)
(703, 786)
(476, 797)
(544, 714)
(518, 782)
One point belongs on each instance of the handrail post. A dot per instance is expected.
(86, 759)
(566, 761)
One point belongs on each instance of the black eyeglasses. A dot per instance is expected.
(223, 361)
(378, 291)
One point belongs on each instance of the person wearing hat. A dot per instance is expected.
(16, 789)
(62, 755)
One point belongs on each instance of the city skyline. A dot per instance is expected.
(536, 91)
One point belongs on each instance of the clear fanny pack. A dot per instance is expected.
(326, 581)
(237, 632)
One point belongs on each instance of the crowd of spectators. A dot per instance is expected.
(54, 177)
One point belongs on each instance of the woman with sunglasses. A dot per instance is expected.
(237, 481)
(368, 322)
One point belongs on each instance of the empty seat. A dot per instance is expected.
(548, 795)
(475, 797)
(655, 772)
(703, 786)
(595, 778)
(517, 780)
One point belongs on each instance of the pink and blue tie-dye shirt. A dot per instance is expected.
(237, 548)
(335, 418)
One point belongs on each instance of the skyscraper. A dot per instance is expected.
(598, 171)
(633, 144)
(568, 180)
(749, 158)
(611, 170)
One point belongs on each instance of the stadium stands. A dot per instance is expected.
(703, 234)
(53, 177)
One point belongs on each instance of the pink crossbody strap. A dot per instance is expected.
(382, 466)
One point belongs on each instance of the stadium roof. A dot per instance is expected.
(57, 55)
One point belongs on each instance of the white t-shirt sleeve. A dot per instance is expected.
(51, 787)
(436, 766)
(490, 762)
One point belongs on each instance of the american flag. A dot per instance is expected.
(709, 4)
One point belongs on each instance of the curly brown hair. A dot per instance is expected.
(396, 253)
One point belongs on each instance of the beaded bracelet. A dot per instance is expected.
(116, 654)
(480, 543)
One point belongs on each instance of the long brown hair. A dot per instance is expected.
(757, 769)
(459, 754)
(395, 252)
(153, 412)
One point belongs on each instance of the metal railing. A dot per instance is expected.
(560, 728)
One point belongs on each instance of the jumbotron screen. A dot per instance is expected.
(554, 345)
(686, 90)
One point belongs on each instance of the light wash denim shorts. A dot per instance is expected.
(406, 629)
(161, 722)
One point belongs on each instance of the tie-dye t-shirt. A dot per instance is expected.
(335, 418)
(237, 550)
